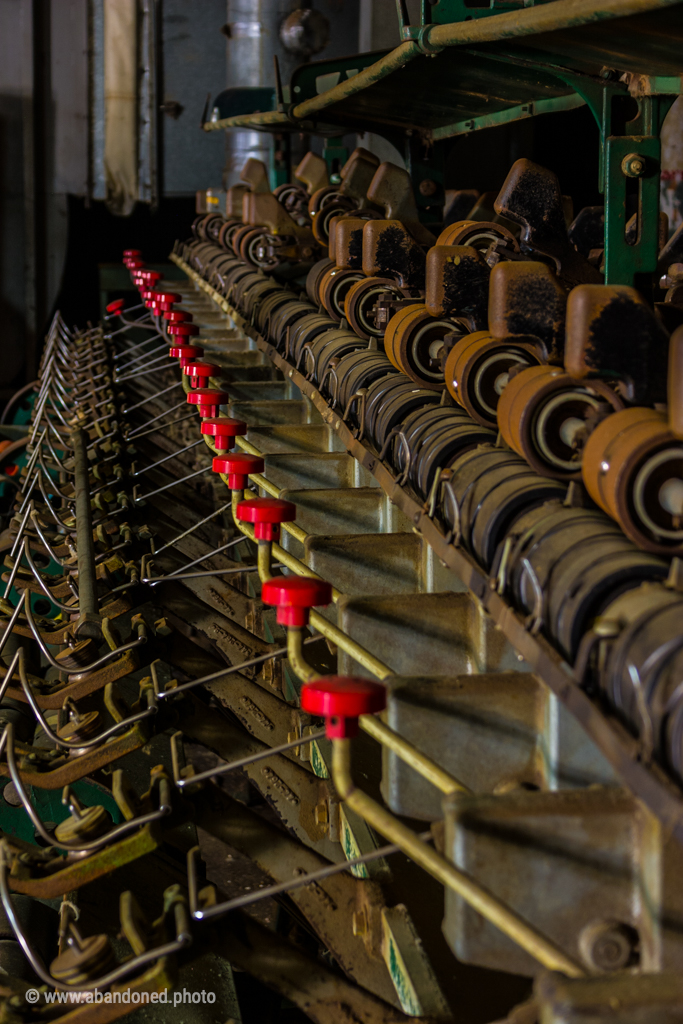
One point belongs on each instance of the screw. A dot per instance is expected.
(633, 165)
(428, 187)
(609, 945)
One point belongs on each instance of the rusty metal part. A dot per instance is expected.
(27, 877)
(649, 782)
(325, 996)
(312, 170)
(80, 684)
(314, 276)
(88, 624)
(414, 342)
(389, 251)
(612, 331)
(478, 235)
(74, 768)
(457, 283)
(360, 303)
(632, 468)
(348, 241)
(527, 302)
(329, 907)
(477, 370)
(391, 189)
(531, 196)
(546, 416)
(675, 384)
(357, 174)
(334, 287)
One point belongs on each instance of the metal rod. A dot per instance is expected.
(153, 580)
(223, 769)
(89, 623)
(279, 887)
(186, 533)
(136, 435)
(227, 671)
(160, 462)
(209, 554)
(148, 398)
(161, 415)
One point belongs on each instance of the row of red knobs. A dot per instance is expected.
(340, 700)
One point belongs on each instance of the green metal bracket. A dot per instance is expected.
(445, 12)
(280, 159)
(632, 165)
(335, 156)
(624, 261)
(427, 167)
(619, 177)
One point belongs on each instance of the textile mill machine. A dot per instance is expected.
(343, 571)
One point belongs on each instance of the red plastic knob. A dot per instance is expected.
(116, 306)
(294, 596)
(185, 353)
(151, 275)
(266, 514)
(170, 297)
(177, 316)
(148, 295)
(201, 373)
(127, 253)
(223, 429)
(237, 467)
(183, 330)
(134, 264)
(208, 400)
(340, 700)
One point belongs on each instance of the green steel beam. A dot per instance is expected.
(518, 113)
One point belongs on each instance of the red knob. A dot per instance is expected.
(170, 297)
(177, 316)
(184, 330)
(223, 429)
(127, 253)
(209, 400)
(148, 295)
(266, 514)
(116, 306)
(340, 700)
(185, 353)
(294, 597)
(150, 275)
(237, 466)
(201, 373)
(134, 264)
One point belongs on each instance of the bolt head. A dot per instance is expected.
(428, 187)
(609, 945)
(633, 165)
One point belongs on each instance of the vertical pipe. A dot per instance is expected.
(89, 619)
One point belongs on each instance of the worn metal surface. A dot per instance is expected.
(648, 783)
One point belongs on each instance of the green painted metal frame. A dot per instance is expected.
(538, 42)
